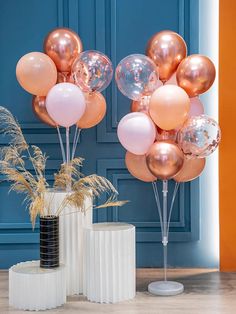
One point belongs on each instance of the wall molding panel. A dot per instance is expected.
(187, 27)
(179, 230)
(116, 28)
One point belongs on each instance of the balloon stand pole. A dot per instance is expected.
(61, 145)
(68, 187)
(75, 142)
(165, 287)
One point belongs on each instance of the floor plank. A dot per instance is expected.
(206, 292)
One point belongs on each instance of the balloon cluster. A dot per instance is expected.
(66, 82)
(166, 135)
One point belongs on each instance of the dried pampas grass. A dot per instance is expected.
(34, 185)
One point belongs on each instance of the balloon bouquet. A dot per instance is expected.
(67, 84)
(166, 135)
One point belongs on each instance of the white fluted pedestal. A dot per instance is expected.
(71, 231)
(110, 259)
(34, 288)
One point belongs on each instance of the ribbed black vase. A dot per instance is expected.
(49, 241)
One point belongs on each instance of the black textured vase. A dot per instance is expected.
(49, 242)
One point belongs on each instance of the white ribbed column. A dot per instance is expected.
(110, 259)
(34, 288)
(71, 231)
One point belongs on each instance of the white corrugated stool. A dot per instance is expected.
(71, 230)
(110, 259)
(34, 288)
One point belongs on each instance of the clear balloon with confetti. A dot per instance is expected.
(199, 136)
(92, 71)
(137, 76)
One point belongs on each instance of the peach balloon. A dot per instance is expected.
(196, 74)
(94, 112)
(136, 164)
(191, 169)
(39, 108)
(169, 107)
(36, 73)
(164, 160)
(63, 45)
(167, 49)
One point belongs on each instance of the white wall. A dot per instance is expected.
(209, 182)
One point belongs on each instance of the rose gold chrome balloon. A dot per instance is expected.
(136, 164)
(65, 77)
(191, 169)
(63, 45)
(39, 108)
(167, 49)
(140, 105)
(163, 135)
(94, 112)
(196, 74)
(164, 160)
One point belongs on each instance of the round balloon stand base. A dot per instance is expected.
(165, 288)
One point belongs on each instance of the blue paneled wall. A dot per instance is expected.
(117, 28)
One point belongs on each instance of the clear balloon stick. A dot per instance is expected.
(165, 287)
(171, 206)
(76, 143)
(165, 237)
(68, 187)
(157, 198)
(74, 140)
(67, 145)
(61, 145)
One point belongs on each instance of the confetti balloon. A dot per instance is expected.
(92, 71)
(137, 76)
(199, 136)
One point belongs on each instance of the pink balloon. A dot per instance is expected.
(172, 80)
(136, 132)
(65, 104)
(196, 107)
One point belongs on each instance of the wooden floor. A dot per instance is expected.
(206, 292)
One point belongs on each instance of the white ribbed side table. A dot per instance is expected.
(110, 259)
(34, 288)
(71, 231)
